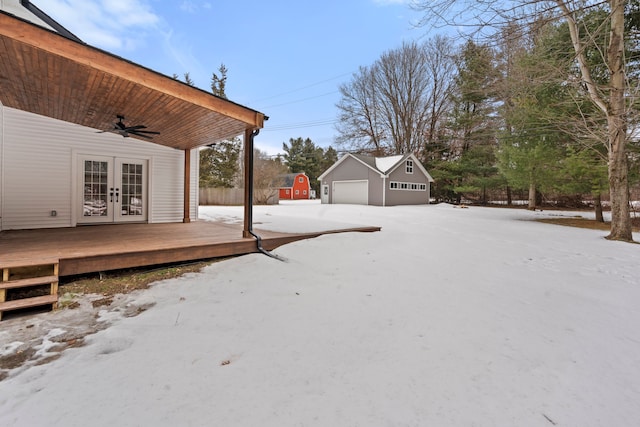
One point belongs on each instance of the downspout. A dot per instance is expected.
(248, 210)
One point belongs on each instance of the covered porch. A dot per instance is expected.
(36, 259)
(96, 248)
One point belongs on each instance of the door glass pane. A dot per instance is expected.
(132, 189)
(95, 188)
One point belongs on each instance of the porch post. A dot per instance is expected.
(187, 187)
(249, 134)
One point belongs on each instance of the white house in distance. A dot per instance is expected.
(378, 181)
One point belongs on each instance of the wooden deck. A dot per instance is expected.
(97, 248)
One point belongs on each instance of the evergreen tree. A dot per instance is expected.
(611, 99)
(219, 83)
(329, 157)
(531, 144)
(219, 164)
(585, 171)
(304, 156)
(464, 163)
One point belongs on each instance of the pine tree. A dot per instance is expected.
(219, 164)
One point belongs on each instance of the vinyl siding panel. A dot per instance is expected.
(407, 197)
(353, 170)
(40, 162)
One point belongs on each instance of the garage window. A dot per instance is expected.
(410, 186)
(409, 168)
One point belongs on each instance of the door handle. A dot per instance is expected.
(117, 194)
(111, 194)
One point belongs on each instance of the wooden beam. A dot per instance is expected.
(248, 165)
(186, 216)
(51, 42)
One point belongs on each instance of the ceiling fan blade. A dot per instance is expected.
(144, 132)
(129, 128)
(120, 128)
(143, 135)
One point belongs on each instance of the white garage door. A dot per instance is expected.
(351, 192)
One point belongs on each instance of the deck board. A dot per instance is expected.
(108, 247)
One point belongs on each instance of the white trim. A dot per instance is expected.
(407, 186)
(416, 163)
(342, 159)
(384, 191)
(349, 181)
(115, 216)
(407, 166)
(324, 196)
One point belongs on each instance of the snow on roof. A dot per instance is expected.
(383, 164)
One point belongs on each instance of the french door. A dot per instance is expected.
(113, 189)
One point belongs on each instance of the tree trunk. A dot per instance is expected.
(617, 129)
(597, 203)
(619, 190)
(532, 196)
(509, 197)
(614, 110)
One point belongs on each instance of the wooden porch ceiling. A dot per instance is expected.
(45, 73)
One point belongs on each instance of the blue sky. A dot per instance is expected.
(284, 58)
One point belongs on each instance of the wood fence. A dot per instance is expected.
(235, 196)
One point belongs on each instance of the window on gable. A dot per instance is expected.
(301, 179)
(409, 168)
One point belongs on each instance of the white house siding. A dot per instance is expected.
(38, 170)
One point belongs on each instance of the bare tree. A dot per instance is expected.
(440, 52)
(609, 98)
(267, 177)
(394, 106)
(359, 122)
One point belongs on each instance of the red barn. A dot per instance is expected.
(296, 186)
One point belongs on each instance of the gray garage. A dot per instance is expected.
(380, 181)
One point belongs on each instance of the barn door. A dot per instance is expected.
(112, 189)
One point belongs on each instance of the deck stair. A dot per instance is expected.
(36, 284)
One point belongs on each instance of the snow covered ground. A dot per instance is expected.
(447, 317)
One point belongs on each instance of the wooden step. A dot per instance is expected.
(28, 262)
(26, 276)
(28, 302)
(33, 281)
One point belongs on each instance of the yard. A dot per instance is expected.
(446, 317)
